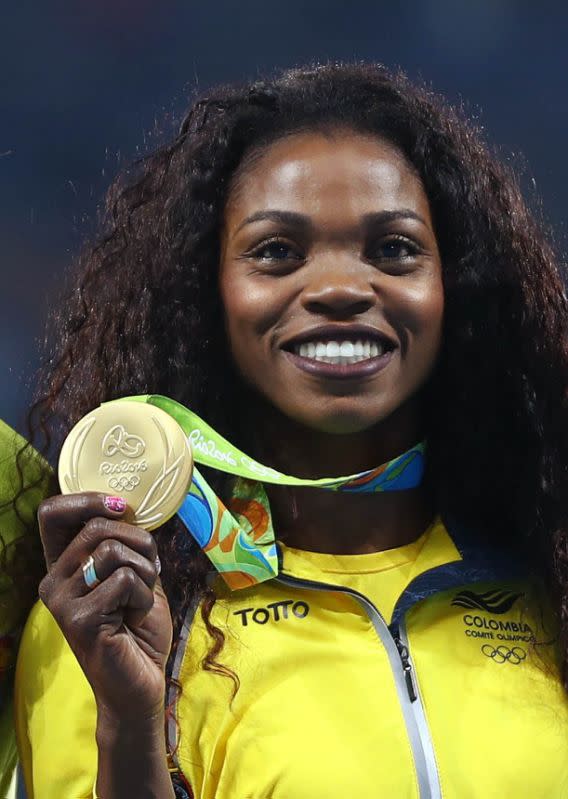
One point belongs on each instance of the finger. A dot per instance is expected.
(123, 598)
(61, 517)
(93, 534)
(108, 557)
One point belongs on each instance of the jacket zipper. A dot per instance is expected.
(396, 647)
(417, 703)
(407, 668)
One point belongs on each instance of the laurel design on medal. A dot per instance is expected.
(72, 477)
(162, 486)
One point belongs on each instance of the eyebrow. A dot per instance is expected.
(382, 217)
(290, 218)
(293, 219)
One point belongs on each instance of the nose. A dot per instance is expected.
(338, 292)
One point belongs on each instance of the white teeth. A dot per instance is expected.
(344, 352)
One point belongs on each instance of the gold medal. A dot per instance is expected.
(132, 449)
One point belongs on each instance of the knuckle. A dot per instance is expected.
(126, 577)
(148, 543)
(110, 549)
(82, 502)
(58, 606)
(45, 589)
(85, 535)
(96, 529)
(47, 508)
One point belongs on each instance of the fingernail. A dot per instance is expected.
(116, 504)
(158, 565)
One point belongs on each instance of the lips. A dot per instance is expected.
(341, 371)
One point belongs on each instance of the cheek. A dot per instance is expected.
(250, 312)
(430, 311)
(420, 312)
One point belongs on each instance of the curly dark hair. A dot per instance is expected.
(145, 314)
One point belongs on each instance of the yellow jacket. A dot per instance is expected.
(445, 697)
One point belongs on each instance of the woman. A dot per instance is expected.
(329, 267)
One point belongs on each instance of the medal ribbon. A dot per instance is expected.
(240, 540)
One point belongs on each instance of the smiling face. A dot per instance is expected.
(331, 280)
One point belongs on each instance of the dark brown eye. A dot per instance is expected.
(394, 249)
(275, 251)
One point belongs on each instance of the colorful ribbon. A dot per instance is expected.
(240, 540)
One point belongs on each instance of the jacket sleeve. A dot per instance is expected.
(55, 714)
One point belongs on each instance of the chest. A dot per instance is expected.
(319, 714)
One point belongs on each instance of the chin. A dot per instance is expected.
(341, 423)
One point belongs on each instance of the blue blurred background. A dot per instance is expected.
(87, 86)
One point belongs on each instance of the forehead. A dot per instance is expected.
(319, 173)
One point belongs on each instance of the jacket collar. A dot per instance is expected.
(480, 562)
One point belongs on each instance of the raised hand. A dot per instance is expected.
(120, 630)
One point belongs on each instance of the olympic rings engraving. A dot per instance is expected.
(125, 482)
(503, 654)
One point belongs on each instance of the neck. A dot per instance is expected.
(337, 522)
(343, 524)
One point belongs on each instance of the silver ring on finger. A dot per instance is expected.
(89, 573)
